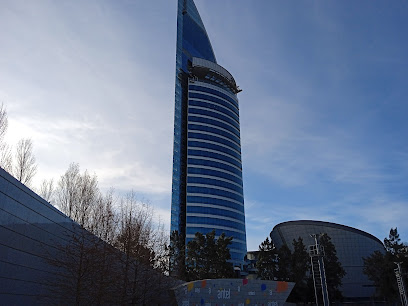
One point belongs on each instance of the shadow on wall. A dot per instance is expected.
(45, 257)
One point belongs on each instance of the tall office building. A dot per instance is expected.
(207, 189)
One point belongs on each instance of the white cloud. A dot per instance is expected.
(77, 86)
(93, 82)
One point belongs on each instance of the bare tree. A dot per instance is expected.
(25, 166)
(77, 195)
(3, 122)
(67, 192)
(87, 261)
(85, 270)
(161, 249)
(143, 246)
(88, 195)
(6, 158)
(125, 255)
(5, 150)
(46, 190)
(103, 224)
(103, 220)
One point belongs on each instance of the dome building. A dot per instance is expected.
(351, 246)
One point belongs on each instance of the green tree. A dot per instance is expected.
(379, 266)
(333, 268)
(267, 260)
(284, 266)
(177, 255)
(222, 268)
(393, 244)
(300, 265)
(208, 257)
(300, 261)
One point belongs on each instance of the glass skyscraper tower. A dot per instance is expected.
(207, 189)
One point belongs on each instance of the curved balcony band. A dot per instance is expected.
(204, 69)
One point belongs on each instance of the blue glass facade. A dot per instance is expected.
(207, 191)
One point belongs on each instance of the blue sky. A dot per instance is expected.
(323, 106)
